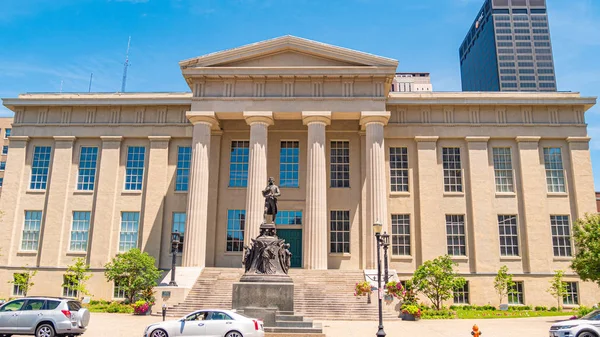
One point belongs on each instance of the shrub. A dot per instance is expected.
(583, 310)
(541, 308)
(488, 307)
(553, 309)
(438, 314)
(411, 309)
(116, 307)
(133, 271)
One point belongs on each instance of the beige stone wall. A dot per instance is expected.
(5, 123)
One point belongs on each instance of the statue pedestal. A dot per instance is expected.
(263, 299)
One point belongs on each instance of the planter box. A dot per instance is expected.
(409, 317)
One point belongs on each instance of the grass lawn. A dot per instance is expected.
(482, 314)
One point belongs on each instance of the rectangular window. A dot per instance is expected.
(525, 57)
(526, 71)
(526, 64)
(546, 78)
(31, 230)
(507, 64)
(289, 218)
(86, 178)
(288, 163)
(522, 31)
(524, 44)
(1, 182)
(236, 223)
(7, 133)
(5, 150)
(398, 169)
(184, 157)
(134, 173)
(555, 176)
(339, 233)
(67, 288)
(340, 164)
(401, 234)
(508, 71)
(238, 163)
(455, 235)
(527, 78)
(2, 165)
(561, 235)
(546, 85)
(128, 237)
(506, 57)
(516, 295)
(503, 169)
(118, 292)
(541, 37)
(17, 291)
(509, 85)
(79, 231)
(179, 227)
(509, 237)
(572, 295)
(461, 295)
(452, 169)
(540, 31)
(40, 167)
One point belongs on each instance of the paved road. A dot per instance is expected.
(123, 325)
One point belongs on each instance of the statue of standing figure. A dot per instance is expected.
(271, 192)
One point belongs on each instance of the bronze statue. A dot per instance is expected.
(271, 192)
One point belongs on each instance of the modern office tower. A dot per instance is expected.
(508, 48)
(408, 82)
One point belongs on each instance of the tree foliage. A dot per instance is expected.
(133, 271)
(76, 276)
(586, 234)
(558, 287)
(503, 283)
(436, 279)
(24, 280)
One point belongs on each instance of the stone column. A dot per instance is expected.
(259, 122)
(194, 245)
(55, 217)
(154, 195)
(314, 233)
(373, 122)
(582, 179)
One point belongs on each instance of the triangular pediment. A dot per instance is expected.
(288, 51)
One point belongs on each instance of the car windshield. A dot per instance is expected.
(592, 316)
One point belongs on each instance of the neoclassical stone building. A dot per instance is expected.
(490, 178)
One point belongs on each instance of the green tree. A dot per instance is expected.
(77, 274)
(558, 287)
(503, 283)
(436, 279)
(24, 280)
(133, 272)
(586, 234)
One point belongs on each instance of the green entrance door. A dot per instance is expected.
(294, 238)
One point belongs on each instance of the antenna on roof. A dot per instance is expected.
(126, 65)
(90, 87)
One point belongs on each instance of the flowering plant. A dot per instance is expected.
(141, 307)
(394, 289)
(412, 310)
(408, 295)
(362, 288)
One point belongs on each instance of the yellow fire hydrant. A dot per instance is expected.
(476, 332)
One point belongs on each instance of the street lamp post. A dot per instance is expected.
(377, 226)
(385, 242)
(175, 242)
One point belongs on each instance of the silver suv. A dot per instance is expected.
(43, 317)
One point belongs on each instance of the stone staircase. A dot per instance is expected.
(318, 294)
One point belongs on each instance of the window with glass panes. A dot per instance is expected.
(1, 181)
(68, 290)
(340, 164)
(79, 231)
(238, 163)
(401, 234)
(118, 291)
(2, 165)
(288, 163)
(398, 169)
(515, 296)
(134, 172)
(5, 149)
(179, 227)
(31, 230)
(455, 235)
(561, 235)
(289, 218)
(236, 220)
(503, 170)
(7, 133)
(452, 169)
(88, 159)
(461, 294)
(128, 237)
(555, 178)
(572, 294)
(40, 167)
(509, 237)
(17, 290)
(184, 157)
(339, 232)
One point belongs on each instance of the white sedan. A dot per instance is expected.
(209, 322)
(586, 326)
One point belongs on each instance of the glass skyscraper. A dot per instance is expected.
(508, 48)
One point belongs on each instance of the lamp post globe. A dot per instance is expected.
(175, 242)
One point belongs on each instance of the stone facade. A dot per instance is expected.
(344, 150)
(5, 126)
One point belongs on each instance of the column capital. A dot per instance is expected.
(474, 139)
(203, 117)
(367, 117)
(18, 139)
(578, 139)
(528, 139)
(309, 117)
(111, 138)
(159, 138)
(64, 138)
(265, 117)
(426, 139)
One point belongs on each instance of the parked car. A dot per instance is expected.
(210, 322)
(43, 317)
(586, 326)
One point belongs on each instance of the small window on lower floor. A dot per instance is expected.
(572, 295)
(461, 295)
(516, 294)
(17, 290)
(68, 288)
(119, 292)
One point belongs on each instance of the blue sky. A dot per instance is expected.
(45, 42)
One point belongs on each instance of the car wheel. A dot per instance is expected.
(586, 334)
(45, 330)
(159, 333)
(234, 334)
